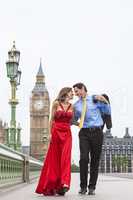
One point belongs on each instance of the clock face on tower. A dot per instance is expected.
(38, 104)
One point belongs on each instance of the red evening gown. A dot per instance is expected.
(56, 170)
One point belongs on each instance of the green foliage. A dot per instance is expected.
(120, 162)
(74, 167)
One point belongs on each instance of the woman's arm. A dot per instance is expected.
(53, 109)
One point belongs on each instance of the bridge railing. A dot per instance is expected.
(16, 167)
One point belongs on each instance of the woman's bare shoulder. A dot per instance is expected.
(55, 103)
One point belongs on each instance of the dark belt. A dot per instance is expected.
(93, 128)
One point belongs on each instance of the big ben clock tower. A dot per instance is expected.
(39, 117)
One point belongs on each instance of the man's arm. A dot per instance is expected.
(102, 103)
(105, 109)
(75, 118)
(101, 98)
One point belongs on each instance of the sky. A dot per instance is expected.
(78, 41)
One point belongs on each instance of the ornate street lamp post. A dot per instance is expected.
(14, 74)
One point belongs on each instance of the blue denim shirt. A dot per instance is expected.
(94, 111)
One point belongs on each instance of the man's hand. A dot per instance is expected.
(101, 98)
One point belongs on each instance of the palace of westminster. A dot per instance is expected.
(117, 153)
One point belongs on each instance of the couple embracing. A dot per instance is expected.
(90, 113)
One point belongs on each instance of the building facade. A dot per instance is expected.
(39, 117)
(117, 153)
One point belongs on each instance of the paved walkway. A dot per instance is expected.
(108, 188)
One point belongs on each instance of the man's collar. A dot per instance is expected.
(87, 97)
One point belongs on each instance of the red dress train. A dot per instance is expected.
(56, 170)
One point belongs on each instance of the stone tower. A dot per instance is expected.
(39, 117)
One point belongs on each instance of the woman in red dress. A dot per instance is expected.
(56, 172)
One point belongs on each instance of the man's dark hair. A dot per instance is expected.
(79, 86)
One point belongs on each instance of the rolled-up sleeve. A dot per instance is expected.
(104, 108)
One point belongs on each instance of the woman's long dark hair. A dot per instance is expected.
(63, 94)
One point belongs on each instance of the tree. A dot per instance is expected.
(119, 163)
(74, 167)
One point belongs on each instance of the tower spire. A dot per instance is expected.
(40, 71)
(40, 75)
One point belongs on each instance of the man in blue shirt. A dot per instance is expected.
(90, 134)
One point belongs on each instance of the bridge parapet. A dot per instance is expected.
(16, 167)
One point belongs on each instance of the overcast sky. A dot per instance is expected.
(87, 41)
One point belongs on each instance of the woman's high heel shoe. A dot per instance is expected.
(63, 190)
